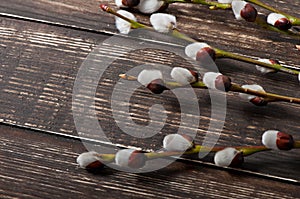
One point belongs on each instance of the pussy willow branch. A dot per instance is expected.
(261, 21)
(196, 149)
(215, 5)
(246, 150)
(270, 97)
(212, 4)
(294, 20)
(220, 53)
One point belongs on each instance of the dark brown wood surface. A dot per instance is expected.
(44, 43)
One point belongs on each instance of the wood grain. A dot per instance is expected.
(37, 92)
(45, 167)
(39, 64)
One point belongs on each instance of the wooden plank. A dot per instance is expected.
(38, 67)
(37, 165)
(195, 20)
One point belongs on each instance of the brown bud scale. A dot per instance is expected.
(203, 54)
(130, 3)
(157, 86)
(223, 82)
(284, 141)
(238, 160)
(283, 24)
(96, 165)
(259, 101)
(249, 13)
(137, 160)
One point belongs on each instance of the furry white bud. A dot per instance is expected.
(183, 76)
(149, 6)
(162, 22)
(254, 87)
(87, 160)
(279, 21)
(269, 139)
(177, 142)
(147, 76)
(265, 70)
(274, 139)
(130, 158)
(209, 79)
(122, 25)
(120, 4)
(228, 157)
(191, 50)
(243, 10)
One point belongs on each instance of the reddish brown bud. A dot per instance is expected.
(157, 86)
(249, 13)
(94, 166)
(223, 82)
(104, 7)
(284, 141)
(274, 61)
(238, 160)
(137, 160)
(283, 24)
(195, 74)
(130, 3)
(259, 101)
(203, 53)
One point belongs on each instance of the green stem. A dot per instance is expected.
(247, 150)
(294, 20)
(226, 54)
(220, 53)
(261, 21)
(252, 149)
(212, 4)
(133, 23)
(271, 96)
(296, 144)
(107, 158)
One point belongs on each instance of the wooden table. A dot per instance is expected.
(43, 45)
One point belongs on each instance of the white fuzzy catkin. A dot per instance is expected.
(273, 17)
(237, 7)
(265, 70)
(122, 157)
(192, 49)
(176, 142)
(224, 157)
(147, 76)
(87, 158)
(149, 6)
(182, 76)
(209, 79)
(122, 25)
(254, 87)
(162, 22)
(269, 139)
(119, 4)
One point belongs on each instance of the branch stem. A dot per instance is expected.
(212, 4)
(270, 97)
(294, 20)
(220, 53)
(277, 67)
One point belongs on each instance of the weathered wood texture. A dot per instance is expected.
(39, 64)
(36, 165)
